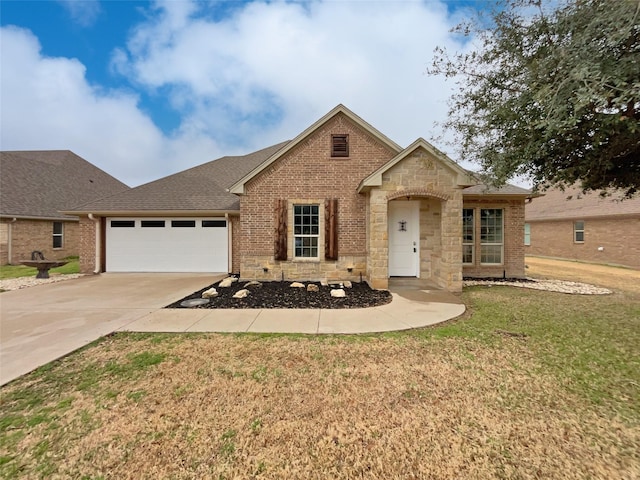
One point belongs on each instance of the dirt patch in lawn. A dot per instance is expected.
(217, 406)
(282, 295)
(616, 278)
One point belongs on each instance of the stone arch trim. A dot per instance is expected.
(419, 192)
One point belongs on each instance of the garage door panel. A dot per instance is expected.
(167, 248)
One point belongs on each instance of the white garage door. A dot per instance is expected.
(167, 245)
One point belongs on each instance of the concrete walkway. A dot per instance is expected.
(41, 324)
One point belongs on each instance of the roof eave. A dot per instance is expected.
(463, 178)
(155, 213)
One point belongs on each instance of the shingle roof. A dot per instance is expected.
(43, 183)
(198, 189)
(507, 189)
(556, 204)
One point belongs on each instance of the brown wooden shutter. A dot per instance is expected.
(280, 243)
(331, 229)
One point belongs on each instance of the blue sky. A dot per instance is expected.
(146, 89)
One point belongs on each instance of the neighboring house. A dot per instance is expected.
(340, 201)
(584, 226)
(35, 186)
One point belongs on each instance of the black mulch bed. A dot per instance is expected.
(281, 295)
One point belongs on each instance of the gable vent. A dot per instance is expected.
(339, 145)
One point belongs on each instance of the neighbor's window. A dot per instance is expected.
(491, 235)
(58, 230)
(578, 231)
(306, 230)
(339, 145)
(467, 235)
(527, 234)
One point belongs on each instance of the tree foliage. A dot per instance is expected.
(550, 92)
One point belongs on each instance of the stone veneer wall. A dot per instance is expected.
(618, 237)
(29, 235)
(308, 173)
(420, 176)
(513, 257)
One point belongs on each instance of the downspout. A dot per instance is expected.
(96, 221)
(10, 240)
(230, 243)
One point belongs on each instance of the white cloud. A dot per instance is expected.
(294, 61)
(239, 81)
(47, 104)
(83, 12)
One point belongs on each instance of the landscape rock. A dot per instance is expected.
(313, 288)
(212, 292)
(253, 283)
(241, 293)
(225, 283)
(338, 293)
(347, 284)
(324, 283)
(297, 285)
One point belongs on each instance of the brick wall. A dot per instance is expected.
(29, 235)
(308, 172)
(618, 238)
(513, 237)
(87, 245)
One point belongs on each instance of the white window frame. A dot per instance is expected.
(469, 243)
(58, 235)
(491, 243)
(298, 230)
(578, 228)
(527, 234)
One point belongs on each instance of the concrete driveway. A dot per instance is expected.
(40, 324)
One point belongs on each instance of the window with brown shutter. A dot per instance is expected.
(339, 145)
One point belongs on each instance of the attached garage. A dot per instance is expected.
(167, 245)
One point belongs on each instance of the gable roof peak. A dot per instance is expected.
(238, 187)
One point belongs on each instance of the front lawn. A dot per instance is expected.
(528, 384)
(15, 271)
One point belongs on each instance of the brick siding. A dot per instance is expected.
(308, 172)
(617, 236)
(30, 235)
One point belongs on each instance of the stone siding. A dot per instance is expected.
(29, 235)
(309, 173)
(512, 265)
(421, 176)
(617, 236)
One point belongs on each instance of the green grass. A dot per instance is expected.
(16, 271)
(588, 343)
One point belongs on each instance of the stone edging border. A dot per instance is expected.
(560, 286)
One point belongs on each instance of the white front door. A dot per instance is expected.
(404, 239)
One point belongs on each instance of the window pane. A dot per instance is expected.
(491, 254)
(527, 234)
(214, 223)
(306, 229)
(152, 223)
(183, 223)
(579, 237)
(123, 223)
(467, 225)
(467, 254)
(491, 225)
(57, 241)
(57, 228)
